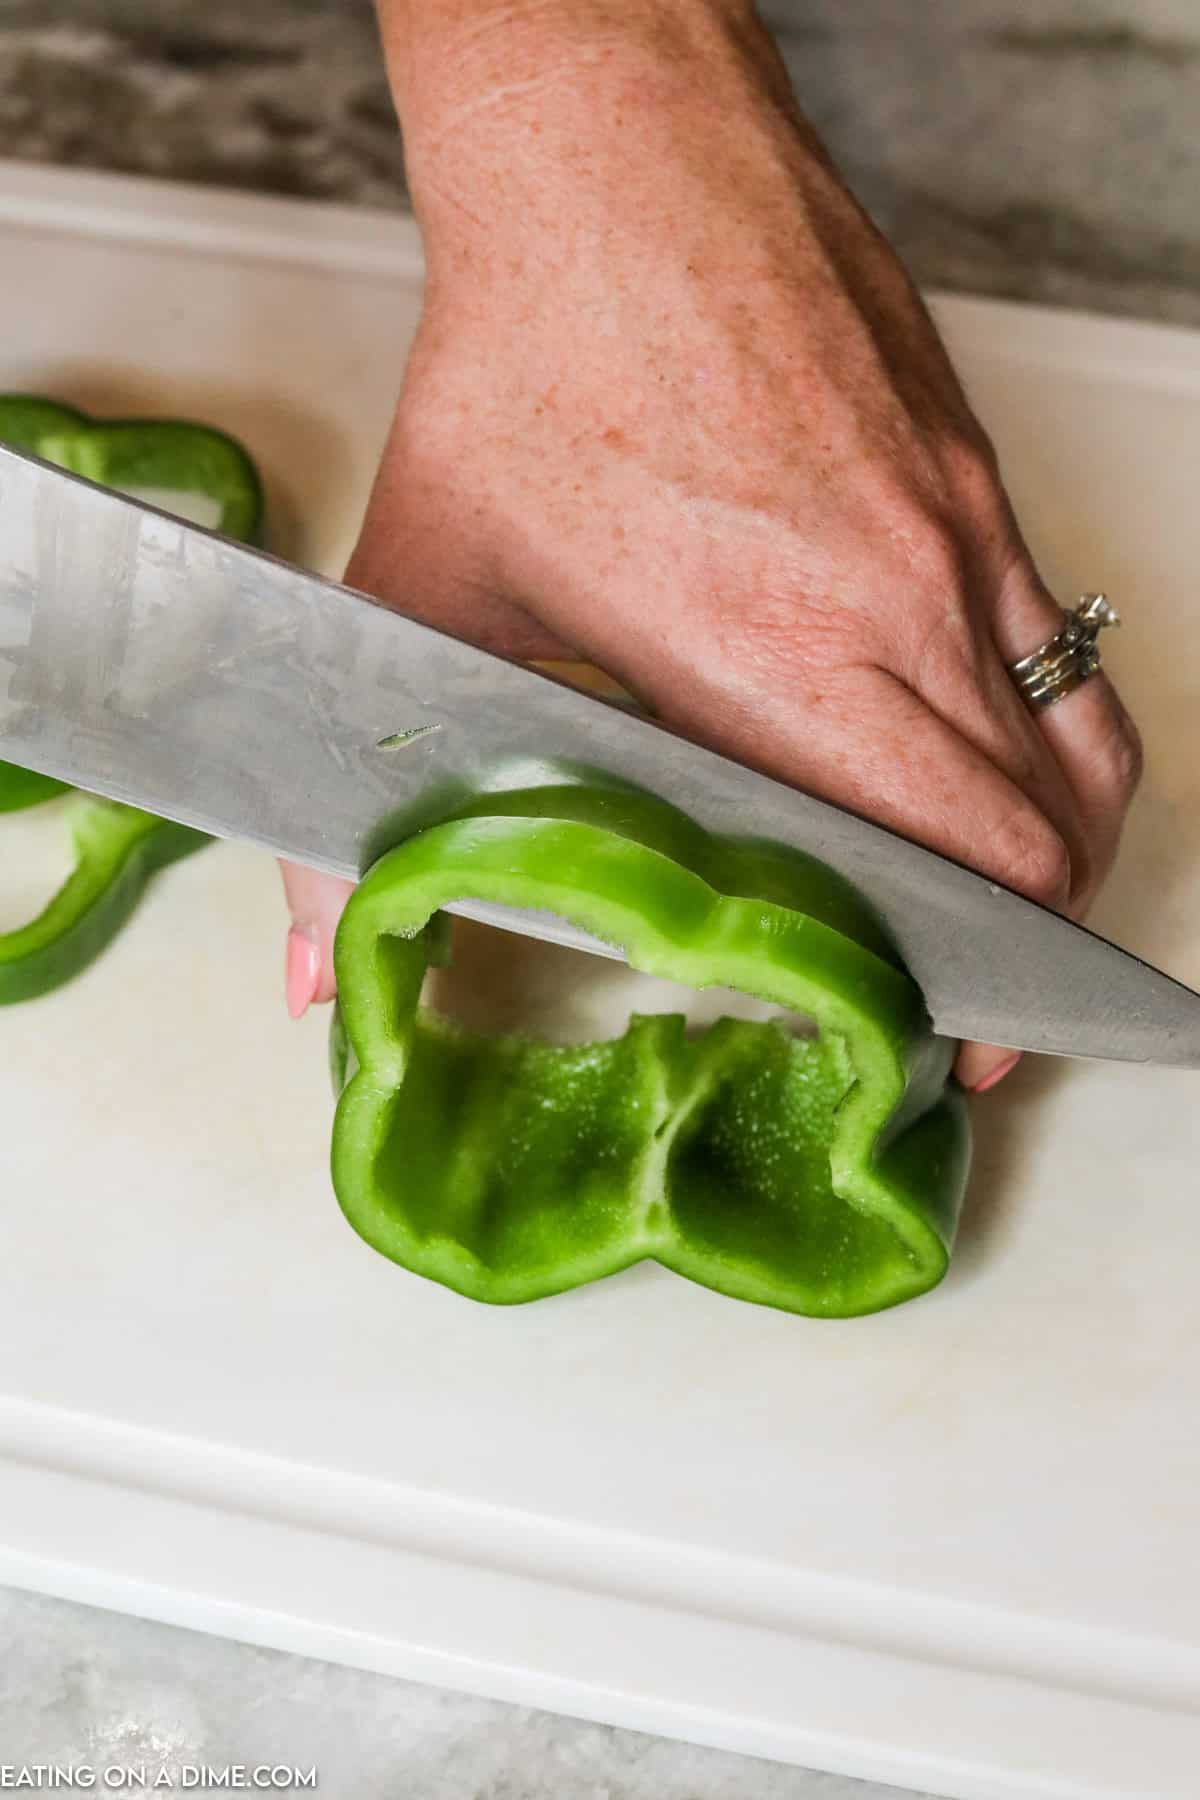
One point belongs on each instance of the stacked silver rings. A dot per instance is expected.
(1048, 674)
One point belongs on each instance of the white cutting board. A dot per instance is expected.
(952, 1547)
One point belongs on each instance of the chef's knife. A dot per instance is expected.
(150, 660)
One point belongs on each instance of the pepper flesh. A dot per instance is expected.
(117, 848)
(822, 1176)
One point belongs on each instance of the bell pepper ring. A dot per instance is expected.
(820, 1175)
(117, 848)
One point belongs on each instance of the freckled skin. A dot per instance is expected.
(675, 407)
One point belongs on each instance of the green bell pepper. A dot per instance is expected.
(117, 848)
(170, 456)
(819, 1175)
(166, 456)
(25, 420)
(20, 788)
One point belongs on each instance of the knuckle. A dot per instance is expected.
(1114, 760)
(976, 461)
(973, 493)
(936, 563)
(785, 637)
(1124, 758)
(971, 469)
(1035, 857)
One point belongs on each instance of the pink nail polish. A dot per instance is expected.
(303, 971)
(998, 1073)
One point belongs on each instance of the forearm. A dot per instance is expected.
(499, 95)
(439, 52)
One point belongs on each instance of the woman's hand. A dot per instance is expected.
(676, 408)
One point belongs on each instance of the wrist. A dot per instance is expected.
(454, 64)
(433, 46)
(502, 101)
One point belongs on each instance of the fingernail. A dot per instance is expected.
(303, 971)
(996, 1075)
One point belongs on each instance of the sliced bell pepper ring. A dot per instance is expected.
(26, 419)
(819, 1175)
(162, 457)
(118, 848)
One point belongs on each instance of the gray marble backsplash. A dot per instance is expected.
(1047, 151)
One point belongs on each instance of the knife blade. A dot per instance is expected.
(150, 660)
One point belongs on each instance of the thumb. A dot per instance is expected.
(315, 902)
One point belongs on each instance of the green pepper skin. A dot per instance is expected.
(821, 1176)
(21, 788)
(164, 453)
(26, 420)
(118, 848)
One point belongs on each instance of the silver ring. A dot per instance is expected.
(1048, 674)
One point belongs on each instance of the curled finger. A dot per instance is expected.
(315, 902)
(1092, 736)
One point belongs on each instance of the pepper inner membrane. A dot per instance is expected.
(552, 1098)
(501, 983)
